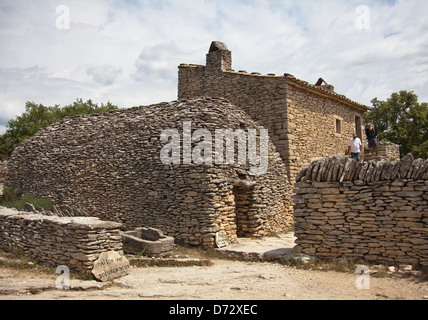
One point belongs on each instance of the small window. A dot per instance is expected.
(338, 126)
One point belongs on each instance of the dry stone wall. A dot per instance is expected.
(75, 242)
(385, 151)
(3, 169)
(109, 165)
(261, 97)
(374, 211)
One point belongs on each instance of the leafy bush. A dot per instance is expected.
(401, 119)
(38, 116)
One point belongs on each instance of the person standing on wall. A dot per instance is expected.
(371, 137)
(355, 147)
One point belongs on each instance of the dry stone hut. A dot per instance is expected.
(109, 165)
(305, 121)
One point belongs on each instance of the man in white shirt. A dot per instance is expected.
(355, 147)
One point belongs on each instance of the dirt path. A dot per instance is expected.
(224, 280)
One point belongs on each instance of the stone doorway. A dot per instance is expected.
(358, 130)
(245, 213)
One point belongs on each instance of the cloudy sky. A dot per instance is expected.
(127, 52)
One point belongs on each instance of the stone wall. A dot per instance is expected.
(109, 165)
(3, 169)
(301, 118)
(74, 242)
(385, 151)
(374, 211)
(261, 97)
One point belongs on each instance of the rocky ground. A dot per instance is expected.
(224, 279)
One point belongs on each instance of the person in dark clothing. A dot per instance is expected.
(371, 135)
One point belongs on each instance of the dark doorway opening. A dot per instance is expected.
(245, 214)
(358, 127)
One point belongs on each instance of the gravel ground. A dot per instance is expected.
(224, 280)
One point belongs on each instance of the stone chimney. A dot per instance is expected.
(219, 58)
(322, 84)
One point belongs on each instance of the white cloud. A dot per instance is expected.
(105, 74)
(128, 51)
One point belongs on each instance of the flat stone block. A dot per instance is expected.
(147, 241)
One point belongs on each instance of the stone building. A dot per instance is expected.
(305, 121)
(110, 165)
(158, 166)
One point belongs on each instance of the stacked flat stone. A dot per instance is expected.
(3, 169)
(75, 242)
(375, 212)
(385, 151)
(109, 165)
(340, 168)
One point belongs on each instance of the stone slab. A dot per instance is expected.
(110, 265)
(147, 241)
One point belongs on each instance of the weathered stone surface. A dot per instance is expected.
(367, 216)
(110, 265)
(109, 165)
(148, 242)
(341, 169)
(54, 241)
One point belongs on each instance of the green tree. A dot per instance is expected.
(401, 119)
(38, 116)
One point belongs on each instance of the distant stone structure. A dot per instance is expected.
(305, 121)
(385, 151)
(373, 211)
(109, 165)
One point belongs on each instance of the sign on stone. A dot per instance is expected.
(110, 265)
(221, 240)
